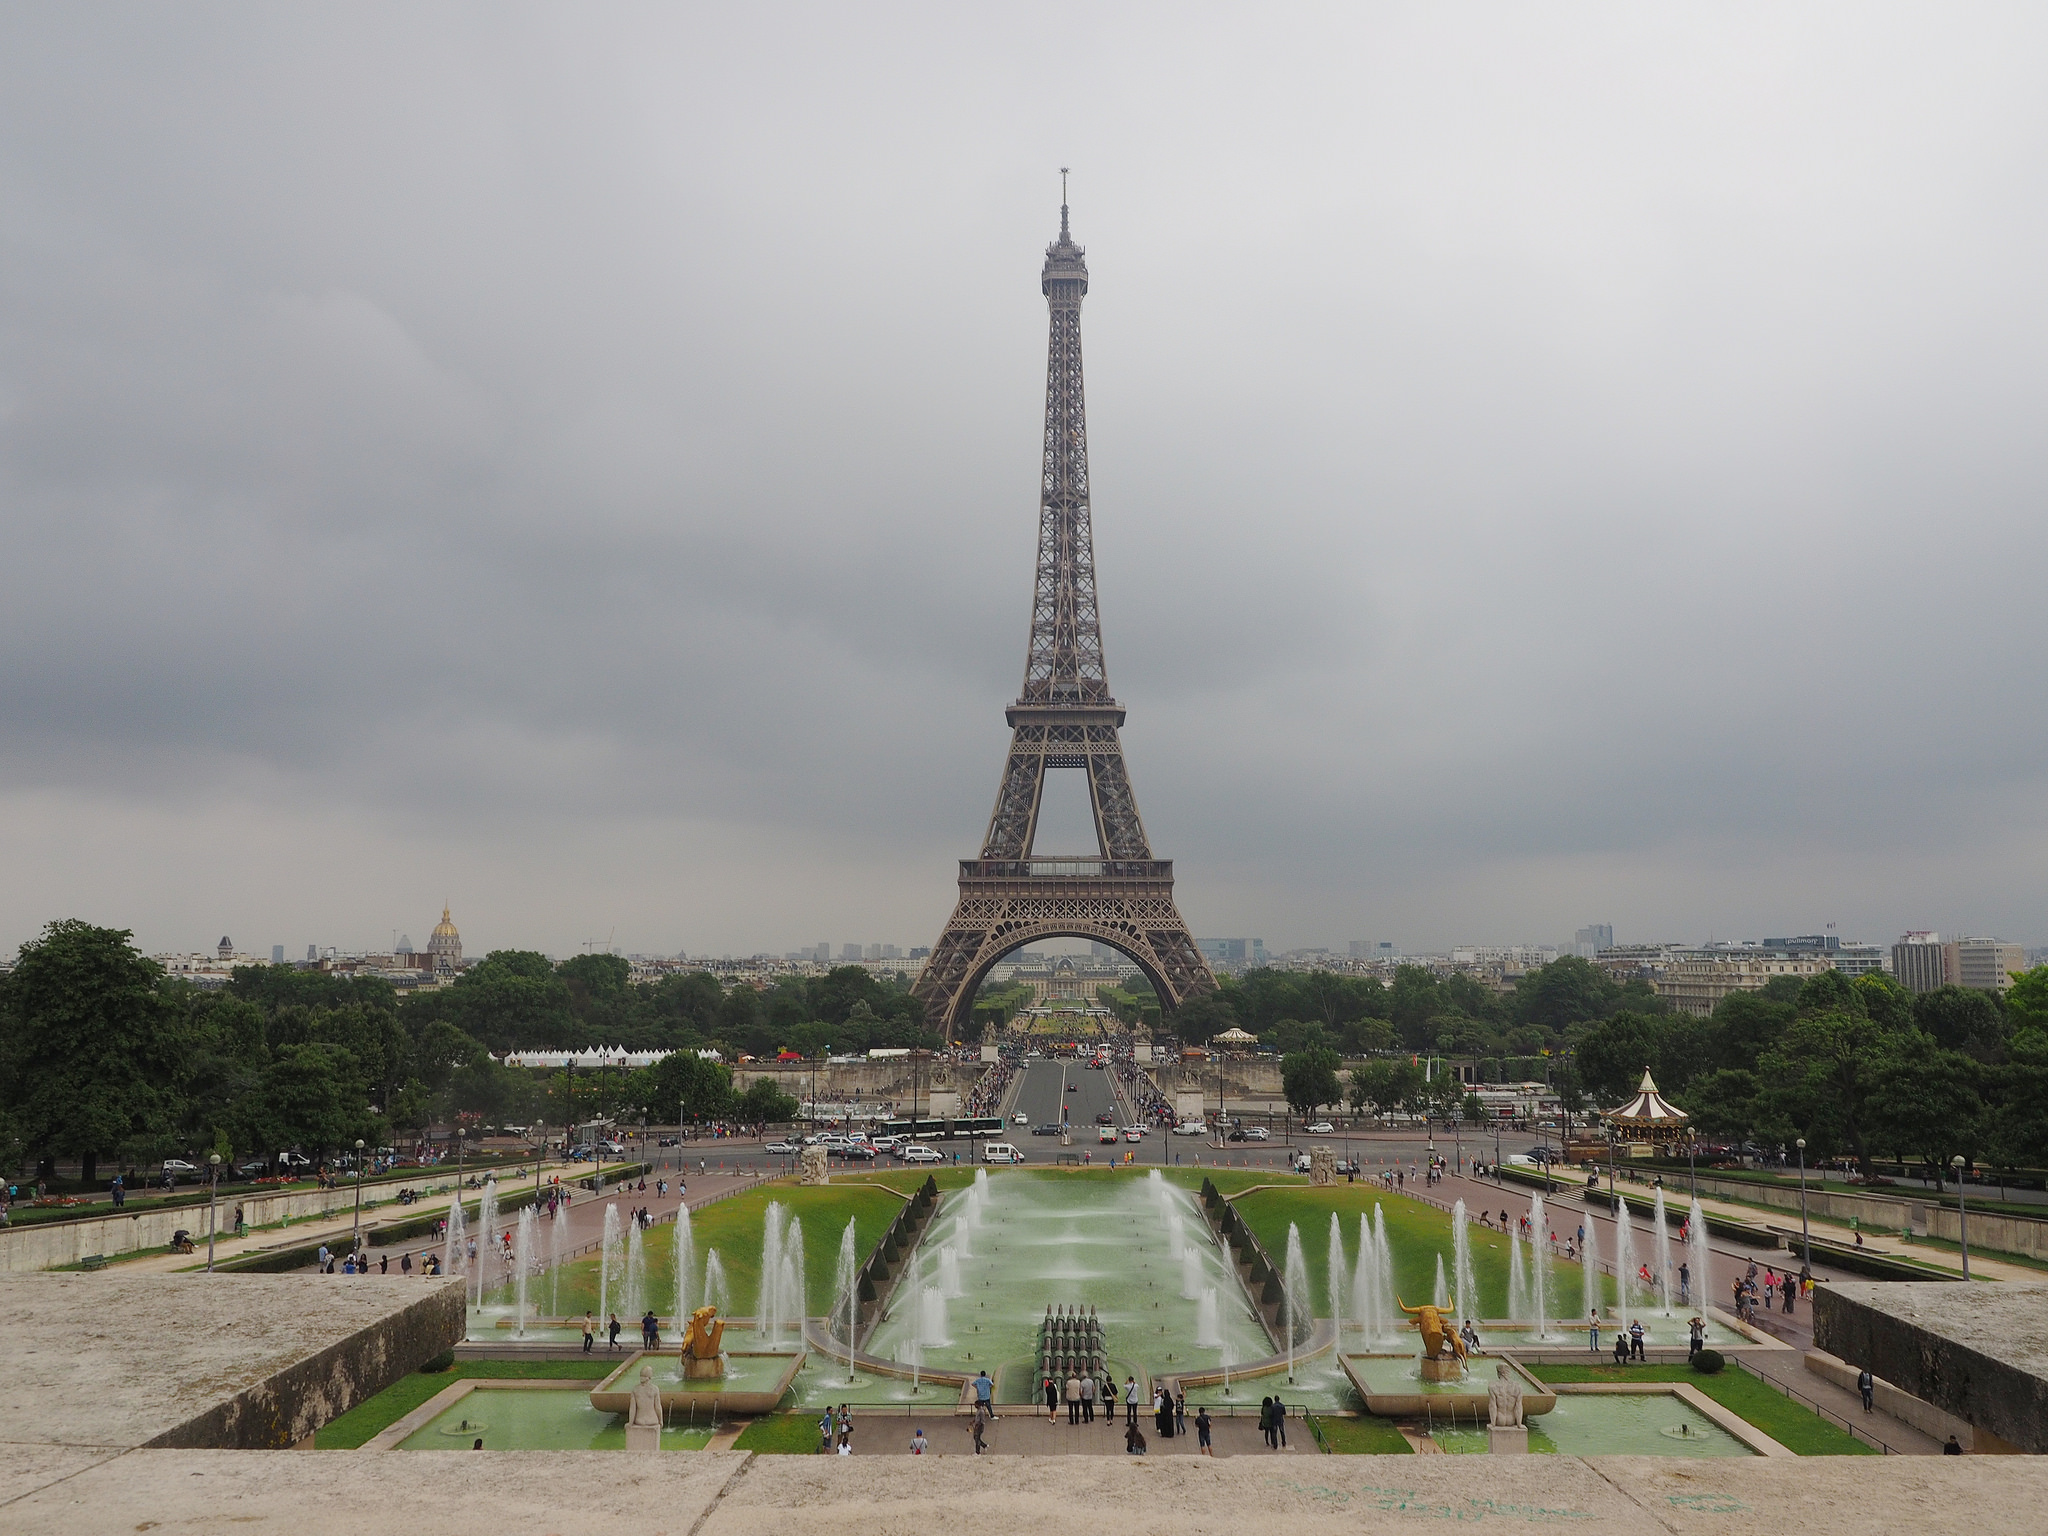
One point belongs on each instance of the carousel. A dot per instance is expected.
(1648, 1124)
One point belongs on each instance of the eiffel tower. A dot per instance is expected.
(1064, 718)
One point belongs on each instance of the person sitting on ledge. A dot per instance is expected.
(1134, 1440)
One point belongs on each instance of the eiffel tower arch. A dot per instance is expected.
(1064, 718)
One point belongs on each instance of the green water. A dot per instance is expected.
(537, 1419)
(1402, 1374)
(1611, 1424)
(743, 1373)
(1029, 1240)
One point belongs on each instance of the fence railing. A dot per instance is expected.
(1822, 1409)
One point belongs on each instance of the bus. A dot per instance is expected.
(944, 1130)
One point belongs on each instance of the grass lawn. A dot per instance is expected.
(1364, 1435)
(1793, 1425)
(781, 1434)
(734, 1228)
(373, 1416)
(1418, 1232)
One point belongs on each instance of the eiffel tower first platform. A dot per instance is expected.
(1065, 718)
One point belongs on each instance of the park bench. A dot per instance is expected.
(93, 1261)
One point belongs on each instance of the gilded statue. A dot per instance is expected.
(702, 1338)
(1436, 1333)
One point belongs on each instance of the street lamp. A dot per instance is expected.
(1805, 1234)
(1692, 1157)
(357, 1244)
(540, 1155)
(213, 1207)
(1962, 1213)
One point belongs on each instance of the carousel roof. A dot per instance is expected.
(1235, 1036)
(1648, 1108)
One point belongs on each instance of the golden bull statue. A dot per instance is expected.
(702, 1338)
(1436, 1331)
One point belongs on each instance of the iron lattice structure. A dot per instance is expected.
(1063, 718)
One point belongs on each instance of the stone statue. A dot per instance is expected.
(1322, 1165)
(811, 1166)
(646, 1401)
(1504, 1400)
(1439, 1339)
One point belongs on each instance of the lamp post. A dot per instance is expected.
(1692, 1157)
(357, 1243)
(212, 1207)
(1805, 1234)
(540, 1155)
(1962, 1213)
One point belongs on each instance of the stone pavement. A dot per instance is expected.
(732, 1493)
(1019, 1432)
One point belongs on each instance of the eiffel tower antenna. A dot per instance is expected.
(1064, 717)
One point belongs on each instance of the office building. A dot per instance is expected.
(1918, 961)
(1591, 939)
(1988, 964)
(277, 954)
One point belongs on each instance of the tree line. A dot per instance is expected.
(105, 1058)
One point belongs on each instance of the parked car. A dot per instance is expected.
(255, 1168)
(178, 1168)
(1348, 1165)
(781, 1149)
(915, 1153)
(1048, 1129)
(1320, 1128)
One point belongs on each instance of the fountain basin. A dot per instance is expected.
(1396, 1387)
(754, 1382)
(1639, 1423)
(527, 1416)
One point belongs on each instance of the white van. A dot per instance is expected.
(1000, 1152)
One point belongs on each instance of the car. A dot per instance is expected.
(614, 1148)
(1048, 1129)
(914, 1153)
(1105, 1118)
(1191, 1128)
(1320, 1128)
(1348, 1165)
(1257, 1133)
(1134, 1133)
(855, 1151)
(178, 1168)
(781, 1149)
(1000, 1152)
(1020, 1118)
(886, 1143)
(255, 1168)
(291, 1160)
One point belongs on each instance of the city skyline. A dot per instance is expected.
(584, 472)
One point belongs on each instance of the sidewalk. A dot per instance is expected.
(1018, 1431)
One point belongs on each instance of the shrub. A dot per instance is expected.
(444, 1361)
(1708, 1362)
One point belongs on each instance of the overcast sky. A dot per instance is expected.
(1551, 465)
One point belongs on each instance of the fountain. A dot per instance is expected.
(1590, 1286)
(949, 1270)
(1539, 1266)
(1624, 1258)
(634, 1287)
(685, 1262)
(1191, 1286)
(1293, 1292)
(846, 1290)
(1441, 1293)
(1337, 1282)
(1702, 1281)
(607, 1265)
(1207, 1334)
(1464, 1287)
(1518, 1281)
(768, 1301)
(528, 1231)
(715, 1292)
(486, 1240)
(795, 1298)
(455, 1249)
(557, 1231)
(933, 1331)
(1663, 1255)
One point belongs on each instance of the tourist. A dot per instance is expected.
(1088, 1398)
(383, 1263)
(1280, 1420)
(825, 1432)
(1134, 1440)
(405, 1263)
(1593, 1332)
(1770, 1287)
(1202, 1429)
(1635, 1339)
(1620, 1347)
(324, 1259)
(1266, 1423)
(1953, 1448)
(1697, 1340)
(1130, 1399)
(589, 1332)
(1470, 1335)
(1866, 1384)
(650, 1331)
(348, 1265)
(1180, 1411)
(917, 1441)
(981, 1444)
(984, 1396)
(1685, 1285)
(1052, 1399)
(1790, 1287)
(1073, 1399)
(612, 1342)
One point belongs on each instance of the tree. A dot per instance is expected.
(1927, 1101)
(764, 1104)
(1613, 1054)
(2026, 1000)
(1384, 1086)
(1309, 1079)
(1818, 1079)
(88, 1049)
(699, 1089)
(1412, 1004)
(1570, 990)
(1203, 1017)
(513, 999)
(1722, 1103)
(1744, 1026)
(1963, 1019)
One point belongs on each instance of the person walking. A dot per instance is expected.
(1866, 1385)
(1073, 1399)
(1790, 1287)
(1180, 1411)
(612, 1338)
(1685, 1285)
(589, 1332)
(1202, 1429)
(1052, 1399)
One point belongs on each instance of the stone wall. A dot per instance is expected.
(1978, 1352)
(1892, 1213)
(874, 1080)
